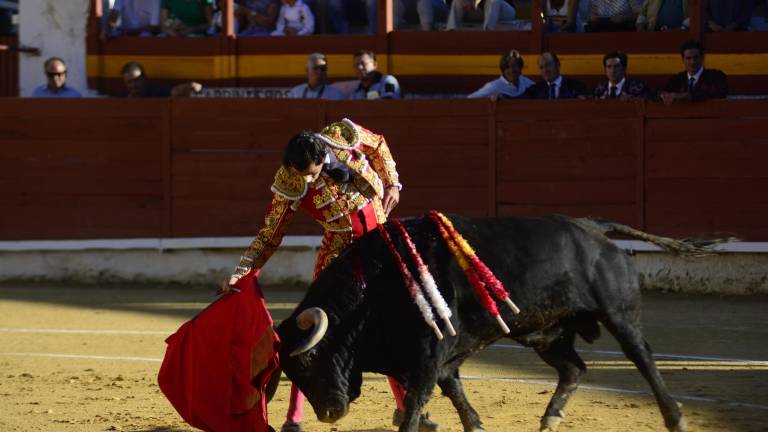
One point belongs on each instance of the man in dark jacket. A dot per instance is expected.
(553, 85)
(694, 83)
(618, 85)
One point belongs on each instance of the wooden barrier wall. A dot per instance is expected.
(202, 167)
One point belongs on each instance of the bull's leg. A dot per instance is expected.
(627, 332)
(451, 387)
(561, 355)
(417, 395)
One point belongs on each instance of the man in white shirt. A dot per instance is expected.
(316, 86)
(511, 83)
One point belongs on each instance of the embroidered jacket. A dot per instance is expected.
(329, 203)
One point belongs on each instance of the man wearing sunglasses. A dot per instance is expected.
(56, 72)
(316, 86)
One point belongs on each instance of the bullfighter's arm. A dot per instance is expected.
(376, 149)
(276, 221)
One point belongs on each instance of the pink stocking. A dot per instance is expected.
(295, 406)
(398, 391)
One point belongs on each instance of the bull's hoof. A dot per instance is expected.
(681, 426)
(291, 427)
(425, 424)
(550, 423)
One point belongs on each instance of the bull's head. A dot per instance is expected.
(321, 362)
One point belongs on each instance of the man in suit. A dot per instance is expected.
(553, 85)
(695, 83)
(618, 85)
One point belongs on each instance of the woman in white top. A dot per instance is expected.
(295, 18)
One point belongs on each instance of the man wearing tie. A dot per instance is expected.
(695, 83)
(618, 85)
(553, 85)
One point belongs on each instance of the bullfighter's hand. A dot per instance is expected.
(228, 286)
(391, 199)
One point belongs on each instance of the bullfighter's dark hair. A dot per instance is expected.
(691, 44)
(508, 57)
(303, 149)
(619, 55)
(362, 52)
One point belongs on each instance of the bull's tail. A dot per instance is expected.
(685, 247)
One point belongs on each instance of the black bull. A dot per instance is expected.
(564, 274)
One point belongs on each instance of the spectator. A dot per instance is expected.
(492, 13)
(663, 15)
(511, 83)
(695, 83)
(553, 85)
(316, 86)
(185, 17)
(618, 86)
(258, 17)
(560, 15)
(373, 84)
(135, 18)
(730, 15)
(427, 10)
(56, 72)
(612, 15)
(294, 18)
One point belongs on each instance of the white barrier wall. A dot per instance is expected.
(58, 28)
(742, 269)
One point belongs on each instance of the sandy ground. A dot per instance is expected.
(76, 358)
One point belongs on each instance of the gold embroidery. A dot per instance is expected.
(276, 222)
(289, 184)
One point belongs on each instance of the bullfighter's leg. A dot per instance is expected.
(451, 387)
(626, 330)
(561, 355)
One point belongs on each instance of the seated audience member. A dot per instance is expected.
(294, 18)
(618, 85)
(553, 85)
(373, 84)
(511, 83)
(560, 15)
(695, 83)
(612, 15)
(257, 17)
(492, 12)
(316, 86)
(728, 15)
(136, 85)
(185, 17)
(56, 87)
(429, 12)
(663, 15)
(136, 18)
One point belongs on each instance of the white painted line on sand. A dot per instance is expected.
(655, 355)
(81, 356)
(85, 331)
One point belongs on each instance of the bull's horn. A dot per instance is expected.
(309, 318)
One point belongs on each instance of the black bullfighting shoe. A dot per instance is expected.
(291, 427)
(425, 424)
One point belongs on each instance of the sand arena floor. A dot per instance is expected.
(75, 358)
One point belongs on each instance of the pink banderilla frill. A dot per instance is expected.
(427, 281)
(411, 284)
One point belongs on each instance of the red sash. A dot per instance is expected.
(217, 364)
